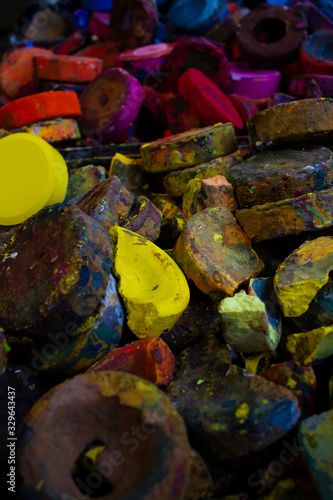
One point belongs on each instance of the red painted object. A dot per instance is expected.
(99, 25)
(316, 54)
(245, 106)
(39, 107)
(181, 117)
(211, 104)
(199, 53)
(74, 42)
(150, 359)
(107, 51)
(71, 69)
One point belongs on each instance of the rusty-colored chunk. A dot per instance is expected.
(275, 175)
(109, 202)
(292, 216)
(295, 121)
(189, 148)
(213, 192)
(215, 253)
(150, 359)
(175, 182)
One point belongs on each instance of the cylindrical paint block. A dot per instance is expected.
(39, 107)
(110, 104)
(33, 174)
(253, 83)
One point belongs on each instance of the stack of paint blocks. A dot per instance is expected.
(166, 248)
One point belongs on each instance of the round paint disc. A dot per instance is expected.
(110, 104)
(32, 175)
(39, 107)
(253, 83)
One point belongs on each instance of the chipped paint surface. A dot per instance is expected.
(218, 265)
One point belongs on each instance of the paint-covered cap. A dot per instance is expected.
(33, 175)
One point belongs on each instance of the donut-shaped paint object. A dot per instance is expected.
(112, 434)
(270, 35)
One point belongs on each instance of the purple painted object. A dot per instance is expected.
(253, 83)
(109, 105)
(307, 85)
(317, 20)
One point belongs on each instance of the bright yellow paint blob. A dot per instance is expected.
(242, 412)
(33, 174)
(154, 288)
(94, 452)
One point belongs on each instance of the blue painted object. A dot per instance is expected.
(100, 5)
(326, 6)
(81, 18)
(280, 2)
(162, 34)
(196, 17)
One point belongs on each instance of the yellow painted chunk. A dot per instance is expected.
(305, 347)
(301, 275)
(94, 452)
(153, 287)
(33, 174)
(246, 325)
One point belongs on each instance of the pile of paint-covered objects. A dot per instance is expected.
(166, 248)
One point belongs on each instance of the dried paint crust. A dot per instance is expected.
(54, 272)
(286, 217)
(105, 406)
(175, 182)
(214, 252)
(307, 119)
(229, 415)
(279, 174)
(59, 129)
(189, 148)
(109, 202)
(75, 354)
(300, 276)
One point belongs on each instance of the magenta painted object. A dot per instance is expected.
(110, 104)
(253, 83)
(99, 25)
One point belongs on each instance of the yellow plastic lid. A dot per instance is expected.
(33, 174)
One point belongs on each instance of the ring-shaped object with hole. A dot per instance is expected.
(107, 435)
(270, 35)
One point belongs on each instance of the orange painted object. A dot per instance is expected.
(150, 359)
(67, 68)
(17, 78)
(107, 51)
(40, 107)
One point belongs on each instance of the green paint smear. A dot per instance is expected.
(314, 212)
